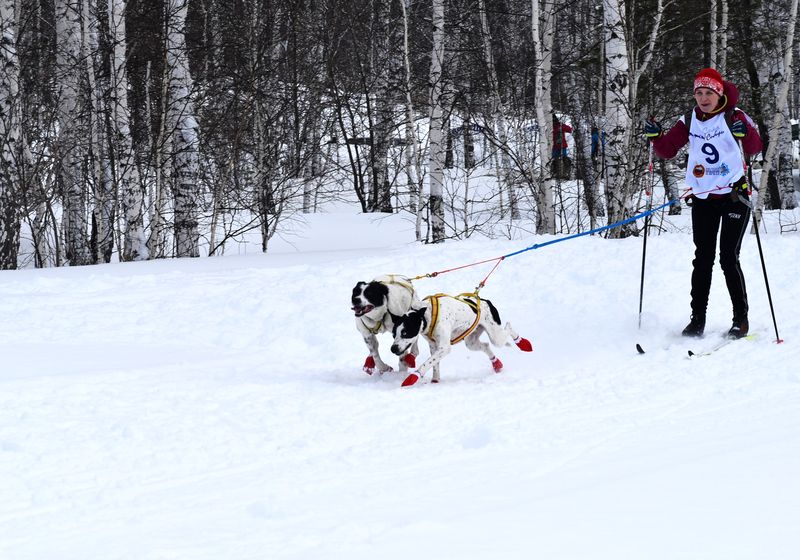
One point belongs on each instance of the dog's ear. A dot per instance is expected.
(397, 322)
(396, 319)
(413, 321)
(358, 288)
(376, 293)
(358, 291)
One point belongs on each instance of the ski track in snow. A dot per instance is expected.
(215, 408)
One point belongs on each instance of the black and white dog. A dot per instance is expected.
(446, 320)
(375, 304)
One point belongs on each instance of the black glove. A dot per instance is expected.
(741, 186)
(739, 129)
(652, 129)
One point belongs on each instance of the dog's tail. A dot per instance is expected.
(522, 343)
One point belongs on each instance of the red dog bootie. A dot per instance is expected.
(369, 365)
(497, 365)
(410, 360)
(410, 380)
(523, 344)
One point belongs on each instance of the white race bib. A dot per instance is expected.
(715, 161)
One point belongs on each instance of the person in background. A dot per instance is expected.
(718, 134)
(598, 142)
(560, 131)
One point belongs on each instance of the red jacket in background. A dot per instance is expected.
(560, 131)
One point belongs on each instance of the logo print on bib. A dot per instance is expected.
(698, 171)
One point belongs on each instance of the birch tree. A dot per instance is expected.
(127, 177)
(104, 199)
(617, 118)
(71, 129)
(713, 32)
(10, 136)
(624, 71)
(159, 149)
(718, 34)
(436, 142)
(778, 158)
(381, 125)
(183, 128)
(542, 22)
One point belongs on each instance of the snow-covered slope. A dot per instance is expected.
(216, 408)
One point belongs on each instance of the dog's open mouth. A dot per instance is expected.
(359, 311)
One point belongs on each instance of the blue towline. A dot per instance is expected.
(596, 230)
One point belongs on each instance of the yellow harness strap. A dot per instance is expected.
(400, 281)
(474, 304)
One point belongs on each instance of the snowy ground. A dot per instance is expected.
(216, 409)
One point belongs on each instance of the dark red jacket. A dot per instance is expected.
(560, 131)
(667, 145)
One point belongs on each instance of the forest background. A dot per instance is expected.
(133, 130)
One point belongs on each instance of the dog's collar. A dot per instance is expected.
(374, 330)
(475, 304)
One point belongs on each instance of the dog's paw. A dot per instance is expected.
(410, 360)
(371, 367)
(497, 365)
(410, 380)
(523, 344)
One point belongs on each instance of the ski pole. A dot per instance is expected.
(749, 172)
(649, 193)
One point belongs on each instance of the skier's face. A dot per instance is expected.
(706, 99)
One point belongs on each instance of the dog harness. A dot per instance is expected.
(374, 330)
(475, 304)
(402, 281)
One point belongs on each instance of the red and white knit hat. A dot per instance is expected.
(708, 78)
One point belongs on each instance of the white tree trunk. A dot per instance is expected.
(436, 139)
(70, 68)
(713, 32)
(780, 141)
(312, 168)
(382, 105)
(617, 117)
(10, 137)
(129, 185)
(182, 125)
(542, 34)
(722, 62)
(104, 202)
(156, 241)
(43, 256)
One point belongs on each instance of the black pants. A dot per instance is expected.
(707, 216)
